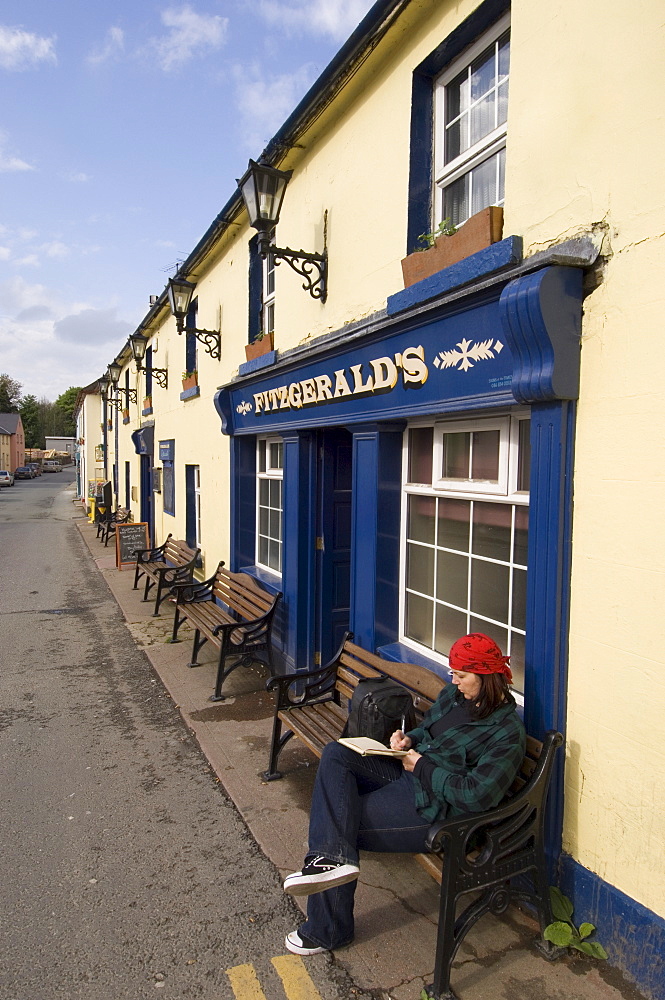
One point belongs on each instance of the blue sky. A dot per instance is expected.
(107, 111)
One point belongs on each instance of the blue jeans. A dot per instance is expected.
(365, 803)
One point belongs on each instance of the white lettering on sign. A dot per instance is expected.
(380, 375)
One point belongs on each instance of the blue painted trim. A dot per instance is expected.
(255, 283)
(191, 393)
(272, 582)
(146, 412)
(125, 420)
(243, 502)
(256, 364)
(497, 257)
(542, 320)
(298, 545)
(632, 935)
(398, 652)
(190, 506)
(148, 370)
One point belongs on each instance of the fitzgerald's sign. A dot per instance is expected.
(435, 367)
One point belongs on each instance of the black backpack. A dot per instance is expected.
(378, 706)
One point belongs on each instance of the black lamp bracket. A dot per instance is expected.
(211, 339)
(161, 376)
(313, 267)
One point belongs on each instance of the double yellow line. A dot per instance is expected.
(290, 969)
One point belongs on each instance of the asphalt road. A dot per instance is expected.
(126, 871)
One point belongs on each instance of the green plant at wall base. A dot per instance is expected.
(563, 932)
(445, 228)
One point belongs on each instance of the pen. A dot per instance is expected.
(403, 722)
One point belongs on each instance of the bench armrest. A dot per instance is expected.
(193, 591)
(506, 826)
(313, 686)
(152, 555)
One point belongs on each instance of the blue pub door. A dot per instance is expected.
(146, 496)
(333, 542)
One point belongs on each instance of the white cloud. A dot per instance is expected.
(78, 178)
(315, 17)
(113, 47)
(8, 162)
(5, 253)
(21, 49)
(266, 103)
(30, 260)
(92, 327)
(55, 249)
(190, 33)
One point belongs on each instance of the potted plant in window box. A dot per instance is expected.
(448, 245)
(190, 380)
(125, 413)
(147, 402)
(262, 344)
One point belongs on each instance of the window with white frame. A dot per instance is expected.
(471, 126)
(465, 518)
(269, 465)
(268, 296)
(197, 502)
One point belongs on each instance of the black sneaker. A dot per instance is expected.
(301, 945)
(319, 873)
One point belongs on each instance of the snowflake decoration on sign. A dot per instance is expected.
(464, 358)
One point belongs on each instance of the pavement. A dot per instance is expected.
(392, 957)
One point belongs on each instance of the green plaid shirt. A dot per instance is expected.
(475, 763)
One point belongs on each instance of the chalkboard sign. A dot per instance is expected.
(128, 539)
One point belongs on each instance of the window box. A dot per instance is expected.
(147, 402)
(478, 232)
(256, 348)
(190, 380)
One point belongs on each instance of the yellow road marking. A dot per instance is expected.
(244, 983)
(295, 979)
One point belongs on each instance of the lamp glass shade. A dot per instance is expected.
(103, 384)
(262, 188)
(114, 372)
(139, 344)
(180, 295)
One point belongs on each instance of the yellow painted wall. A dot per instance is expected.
(586, 145)
(5, 451)
(585, 153)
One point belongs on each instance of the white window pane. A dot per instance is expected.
(452, 578)
(502, 104)
(492, 524)
(456, 201)
(456, 138)
(501, 179)
(483, 118)
(454, 524)
(457, 96)
(521, 535)
(419, 617)
(490, 589)
(456, 452)
(450, 625)
(519, 599)
(504, 56)
(517, 660)
(420, 455)
(485, 460)
(482, 74)
(483, 185)
(420, 569)
(420, 519)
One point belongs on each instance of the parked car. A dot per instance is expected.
(6, 478)
(36, 468)
(23, 472)
(51, 466)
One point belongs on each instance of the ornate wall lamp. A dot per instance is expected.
(180, 296)
(114, 371)
(262, 189)
(139, 344)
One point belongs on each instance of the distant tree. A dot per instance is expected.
(32, 425)
(10, 394)
(66, 403)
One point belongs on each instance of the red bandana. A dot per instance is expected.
(478, 654)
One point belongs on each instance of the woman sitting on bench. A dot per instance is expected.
(463, 758)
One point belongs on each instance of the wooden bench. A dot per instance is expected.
(109, 519)
(232, 611)
(479, 853)
(164, 567)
